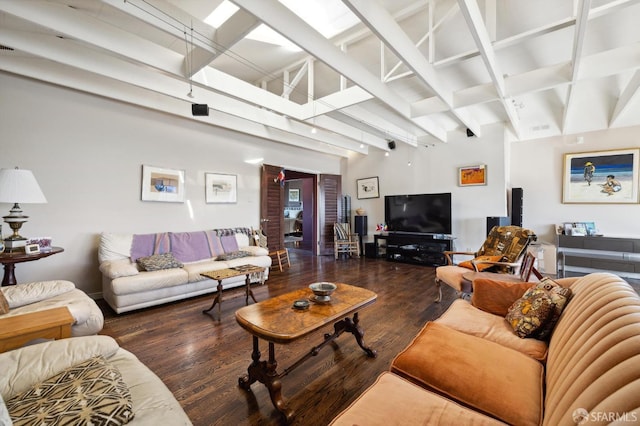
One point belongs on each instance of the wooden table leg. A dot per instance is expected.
(249, 292)
(9, 277)
(354, 328)
(265, 373)
(218, 300)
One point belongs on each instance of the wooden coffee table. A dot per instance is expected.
(223, 274)
(276, 321)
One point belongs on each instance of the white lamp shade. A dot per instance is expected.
(20, 186)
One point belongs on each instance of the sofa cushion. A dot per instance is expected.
(152, 280)
(27, 294)
(560, 297)
(495, 296)
(158, 262)
(91, 392)
(5, 419)
(196, 268)
(114, 246)
(466, 318)
(233, 255)
(481, 266)
(119, 268)
(528, 314)
(4, 305)
(470, 369)
(407, 404)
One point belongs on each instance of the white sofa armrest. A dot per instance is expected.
(119, 268)
(26, 294)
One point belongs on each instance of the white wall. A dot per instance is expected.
(87, 154)
(537, 167)
(434, 169)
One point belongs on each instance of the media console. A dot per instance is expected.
(423, 249)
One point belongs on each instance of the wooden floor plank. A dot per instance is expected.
(200, 358)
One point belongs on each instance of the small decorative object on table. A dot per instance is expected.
(322, 291)
(301, 305)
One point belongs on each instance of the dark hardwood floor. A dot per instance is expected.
(200, 359)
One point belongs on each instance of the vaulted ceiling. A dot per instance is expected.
(403, 70)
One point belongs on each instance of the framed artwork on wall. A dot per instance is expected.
(294, 195)
(220, 188)
(161, 184)
(601, 177)
(472, 175)
(368, 188)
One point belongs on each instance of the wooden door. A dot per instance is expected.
(329, 195)
(271, 207)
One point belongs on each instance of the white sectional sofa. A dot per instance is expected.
(42, 375)
(127, 286)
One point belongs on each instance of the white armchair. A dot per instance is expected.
(41, 295)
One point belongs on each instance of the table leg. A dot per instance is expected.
(9, 277)
(218, 300)
(354, 328)
(265, 373)
(249, 292)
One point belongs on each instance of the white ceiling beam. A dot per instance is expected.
(76, 79)
(334, 102)
(387, 29)
(83, 58)
(289, 87)
(576, 57)
(628, 94)
(471, 13)
(230, 32)
(290, 26)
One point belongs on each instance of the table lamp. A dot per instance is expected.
(18, 186)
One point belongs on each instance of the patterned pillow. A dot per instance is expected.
(4, 305)
(481, 266)
(91, 392)
(559, 296)
(157, 262)
(233, 255)
(528, 314)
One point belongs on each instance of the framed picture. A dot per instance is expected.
(472, 175)
(601, 177)
(294, 195)
(220, 188)
(368, 188)
(160, 184)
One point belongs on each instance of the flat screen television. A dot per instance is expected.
(421, 213)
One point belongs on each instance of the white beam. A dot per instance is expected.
(290, 26)
(630, 92)
(289, 87)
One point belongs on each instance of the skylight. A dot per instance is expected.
(328, 17)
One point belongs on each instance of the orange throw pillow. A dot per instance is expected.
(482, 266)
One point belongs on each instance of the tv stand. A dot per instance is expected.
(422, 249)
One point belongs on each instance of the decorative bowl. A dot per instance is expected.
(322, 290)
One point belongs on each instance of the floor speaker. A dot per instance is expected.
(361, 225)
(496, 221)
(516, 206)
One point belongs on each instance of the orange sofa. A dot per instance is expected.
(469, 367)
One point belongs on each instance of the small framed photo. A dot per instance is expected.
(220, 188)
(32, 249)
(601, 177)
(368, 188)
(472, 175)
(294, 195)
(160, 184)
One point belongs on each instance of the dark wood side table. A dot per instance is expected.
(9, 261)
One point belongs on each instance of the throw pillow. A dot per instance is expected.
(4, 305)
(559, 296)
(233, 255)
(91, 392)
(481, 266)
(528, 314)
(158, 262)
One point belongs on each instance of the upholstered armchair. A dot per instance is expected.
(344, 241)
(501, 253)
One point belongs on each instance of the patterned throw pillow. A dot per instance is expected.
(4, 305)
(559, 296)
(157, 262)
(528, 314)
(233, 255)
(481, 266)
(90, 393)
